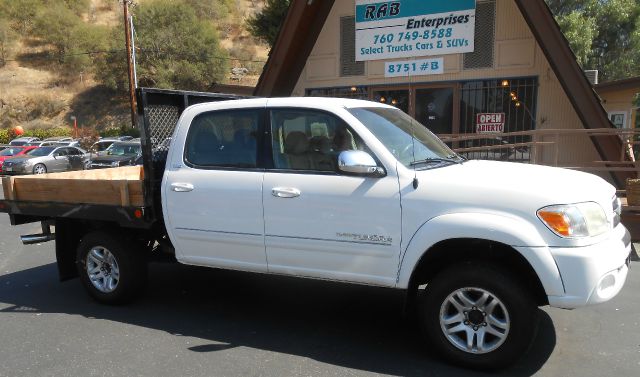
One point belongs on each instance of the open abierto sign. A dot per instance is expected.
(490, 123)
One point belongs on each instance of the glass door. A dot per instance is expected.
(434, 109)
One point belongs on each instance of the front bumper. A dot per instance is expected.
(17, 169)
(593, 274)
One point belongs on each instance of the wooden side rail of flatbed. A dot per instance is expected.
(113, 195)
(115, 186)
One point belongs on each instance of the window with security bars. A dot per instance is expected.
(355, 92)
(517, 99)
(485, 35)
(348, 64)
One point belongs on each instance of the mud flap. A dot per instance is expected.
(68, 233)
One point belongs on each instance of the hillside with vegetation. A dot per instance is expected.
(66, 58)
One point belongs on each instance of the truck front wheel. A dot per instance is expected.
(478, 316)
(111, 272)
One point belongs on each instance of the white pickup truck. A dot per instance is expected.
(357, 192)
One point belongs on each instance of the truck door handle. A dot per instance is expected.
(285, 192)
(181, 187)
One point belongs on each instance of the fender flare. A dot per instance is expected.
(521, 235)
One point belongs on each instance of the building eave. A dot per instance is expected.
(624, 84)
(296, 39)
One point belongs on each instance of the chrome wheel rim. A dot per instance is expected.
(102, 269)
(474, 320)
(39, 169)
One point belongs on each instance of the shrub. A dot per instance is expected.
(121, 131)
(38, 124)
(8, 134)
(43, 106)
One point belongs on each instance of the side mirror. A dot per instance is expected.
(359, 163)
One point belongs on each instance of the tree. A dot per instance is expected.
(265, 25)
(174, 48)
(604, 34)
(70, 37)
(7, 36)
(211, 9)
(21, 13)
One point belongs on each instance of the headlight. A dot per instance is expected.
(574, 221)
(115, 164)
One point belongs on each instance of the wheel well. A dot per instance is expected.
(445, 253)
(69, 233)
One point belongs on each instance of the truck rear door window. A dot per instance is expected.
(223, 139)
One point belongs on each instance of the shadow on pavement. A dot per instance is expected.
(350, 326)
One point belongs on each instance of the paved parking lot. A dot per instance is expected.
(203, 322)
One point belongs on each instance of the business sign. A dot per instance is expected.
(490, 123)
(410, 28)
(414, 68)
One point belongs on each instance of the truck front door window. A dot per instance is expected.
(310, 140)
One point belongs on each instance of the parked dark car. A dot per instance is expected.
(121, 153)
(99, 148)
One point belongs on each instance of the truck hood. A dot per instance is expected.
(511, 189)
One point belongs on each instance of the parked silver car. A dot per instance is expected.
(23, 140)
(47, 160)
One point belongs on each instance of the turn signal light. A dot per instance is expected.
(556, 221)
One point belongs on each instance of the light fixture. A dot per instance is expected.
(505, 82)
(518, 103)
(383, 100)
(513, 95)
(354, 89)
(394, 102)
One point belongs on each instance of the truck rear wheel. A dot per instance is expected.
(111, 272)
(478, 316)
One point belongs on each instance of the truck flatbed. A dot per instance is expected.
(114, 194)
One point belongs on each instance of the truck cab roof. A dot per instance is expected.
(311, 102)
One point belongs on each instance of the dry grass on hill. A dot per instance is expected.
(34, 95)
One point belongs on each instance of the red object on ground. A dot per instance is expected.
(18, 130)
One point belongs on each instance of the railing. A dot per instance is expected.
(545, 146)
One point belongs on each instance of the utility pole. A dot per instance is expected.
(127, 32)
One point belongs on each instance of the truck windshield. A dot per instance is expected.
(409, 141)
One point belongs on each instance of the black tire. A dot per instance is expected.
(43, 166)
(130, 262)
(521, 309)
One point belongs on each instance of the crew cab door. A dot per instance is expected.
(212, 191)
(318, 222)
